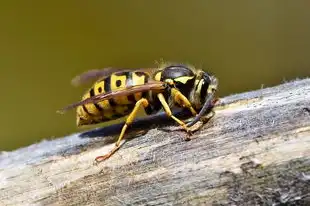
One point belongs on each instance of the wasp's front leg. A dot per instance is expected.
(203, 120)
(181, 100)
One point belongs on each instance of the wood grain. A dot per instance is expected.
(254, 151)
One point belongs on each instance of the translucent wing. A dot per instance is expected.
(153, 85)
(95, 74)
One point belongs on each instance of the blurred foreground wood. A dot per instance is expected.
(256, 150)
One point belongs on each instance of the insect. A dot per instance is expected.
(119, 92)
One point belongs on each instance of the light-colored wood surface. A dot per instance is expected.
(255, 150)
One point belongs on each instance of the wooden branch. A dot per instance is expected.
(255, 150)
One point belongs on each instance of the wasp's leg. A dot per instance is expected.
(169, 113)
(182, 100)
(206, 118)
(129, 121)
(203, 120)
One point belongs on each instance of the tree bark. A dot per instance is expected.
(254, 151)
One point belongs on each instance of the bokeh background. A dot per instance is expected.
(43, 44)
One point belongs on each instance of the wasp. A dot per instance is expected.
(120, 92)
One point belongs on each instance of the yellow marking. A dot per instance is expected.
(86, 118)
(97, 86)
(114, 79)
(105, 105)
(183, 80)
(80, 113)
(199, 86)
(91, 108)
(108, 114)
(122, 79)
(169, 113)
(158, 76)
(169, 81)
(138, 80)
(196, 81)
(142, 102)
(121, 110)
(182, 100)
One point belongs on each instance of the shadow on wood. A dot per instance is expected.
(141, 123)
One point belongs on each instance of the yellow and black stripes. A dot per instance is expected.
(92, 93)
(113, 108)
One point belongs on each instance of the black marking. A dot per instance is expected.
(107, 84)
(146, 80)
(95, 121)
(86, 110)
(131, 98)
(112, 103)
(82, 118)
(185, 89)
(203, 92)
(140, 74)
(98, 107)
(156, 106)
(148, 110)
(196, 86)
(99, 89)
(116, 115)
(175, 71)
(204, 88)
(122, 73)
(92, 93)
(203, 95)
(146, 77)
(118, 83)
(130, 107)
(107, 88)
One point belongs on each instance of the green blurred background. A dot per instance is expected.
(43, 44)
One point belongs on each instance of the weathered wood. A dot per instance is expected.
(255, 150)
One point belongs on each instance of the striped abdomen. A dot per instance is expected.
(113, 108)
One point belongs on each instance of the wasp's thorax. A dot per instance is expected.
(195, 85)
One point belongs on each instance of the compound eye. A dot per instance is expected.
(207, 78)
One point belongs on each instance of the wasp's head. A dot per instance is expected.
(205, 85)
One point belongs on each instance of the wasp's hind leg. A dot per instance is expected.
(169, 113)
(129, 121)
